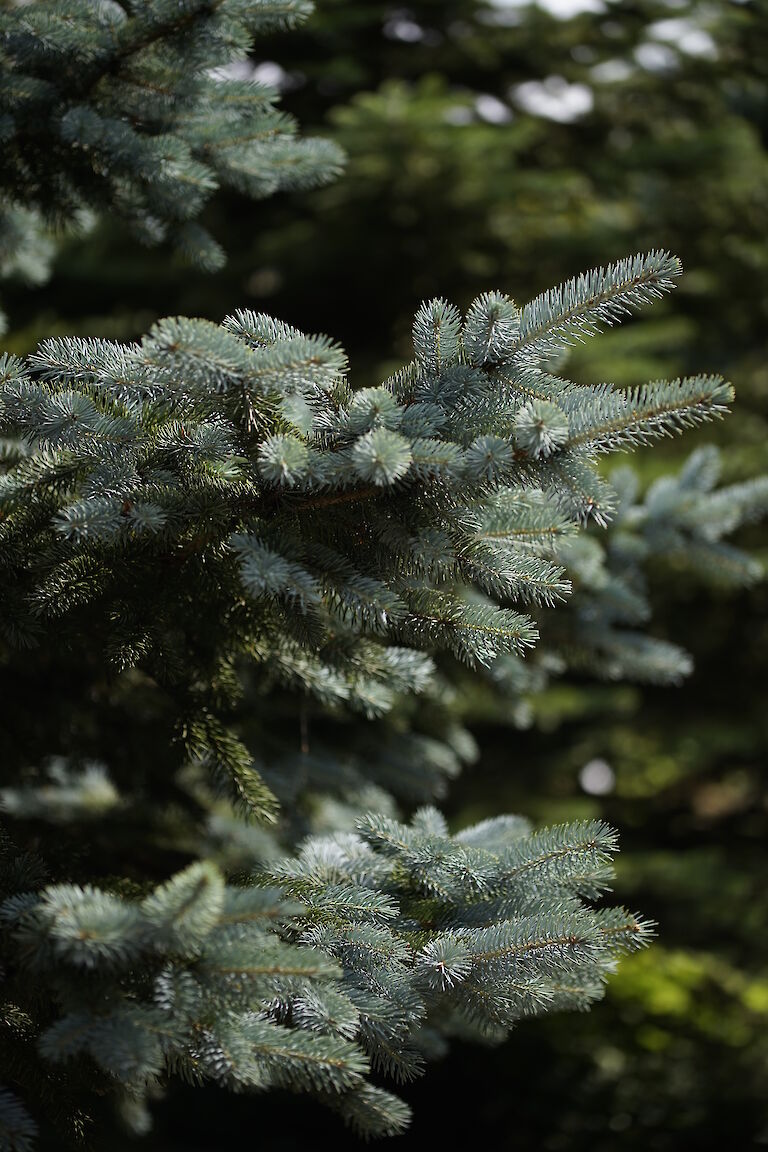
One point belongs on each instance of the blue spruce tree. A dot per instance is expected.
(237, 596)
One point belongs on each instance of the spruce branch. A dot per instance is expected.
(228, 542)
(602, 296)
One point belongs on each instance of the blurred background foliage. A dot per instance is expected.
(510, 145)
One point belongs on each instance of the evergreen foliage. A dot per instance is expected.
(214, 515)
(138, 110)
(245, 592)
(396, 935)
(683, 519)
